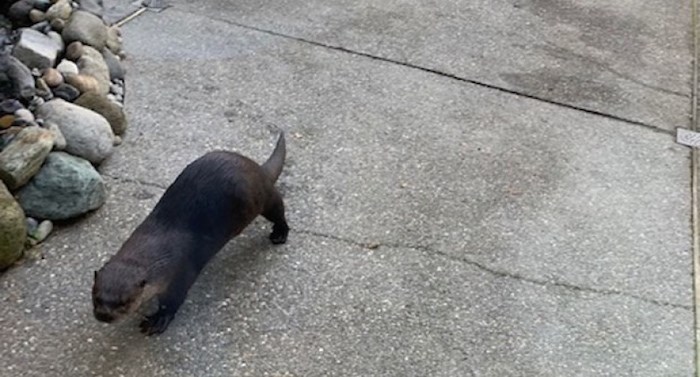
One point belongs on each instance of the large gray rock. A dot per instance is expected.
(13, 229)
(108, 109)
(87, 133)
(20, 160)
(65, 187)
(92, 63)
(35, 49)
(86, 28)
(19, 13)
(16, 77)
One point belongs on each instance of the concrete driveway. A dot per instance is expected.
(482, 188)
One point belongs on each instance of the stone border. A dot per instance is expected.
(61, 114)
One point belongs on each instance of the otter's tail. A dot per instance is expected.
(273, 165)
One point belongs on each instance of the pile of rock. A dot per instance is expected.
(61, 98)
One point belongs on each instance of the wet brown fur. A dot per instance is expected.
(211, 201)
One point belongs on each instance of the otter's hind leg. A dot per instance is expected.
(275, 213)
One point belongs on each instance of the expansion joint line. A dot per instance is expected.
(447, 75)
(694, 166)
(495, 271)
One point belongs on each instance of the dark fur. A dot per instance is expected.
(210, 202)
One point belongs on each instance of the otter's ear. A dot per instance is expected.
(95, 274)
(142, 283)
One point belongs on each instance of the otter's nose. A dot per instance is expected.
(103, 317)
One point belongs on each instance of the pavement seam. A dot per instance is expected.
(482, 84)
(695, 194)
(497, 272)
(471, 262)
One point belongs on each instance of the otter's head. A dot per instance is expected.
(117, 291)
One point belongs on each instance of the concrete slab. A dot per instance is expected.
(322, 307)
(117, 10)
(380, 153)
(440, 228)
(628, 58)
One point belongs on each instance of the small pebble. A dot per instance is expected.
(6, 121)
(25, 115)
(66, 92)
(116, 89)
(53, 77)
(43, 90)
(67, 67)
(58, 24)
(84, 83)
(117, 140)
(42, 231)
(36, 102)
(74, 51)
(36, 15)
(32, 224)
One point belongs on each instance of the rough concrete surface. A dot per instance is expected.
(440, 228)
(627, 58)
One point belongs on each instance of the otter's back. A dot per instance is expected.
(215, 196)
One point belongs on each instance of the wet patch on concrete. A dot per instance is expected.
(565, 87)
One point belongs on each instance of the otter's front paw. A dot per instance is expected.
(278, 237)
(156, 323)
(279, 233)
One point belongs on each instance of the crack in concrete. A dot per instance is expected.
(497, 272)
(471, 262)
(654, 128)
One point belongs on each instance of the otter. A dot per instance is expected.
(211, 201)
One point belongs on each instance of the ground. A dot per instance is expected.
(482, 188)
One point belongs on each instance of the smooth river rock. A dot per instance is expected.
(65, 187)
(87, 133)
(23, 158)
(13, 229)
(86, 28)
